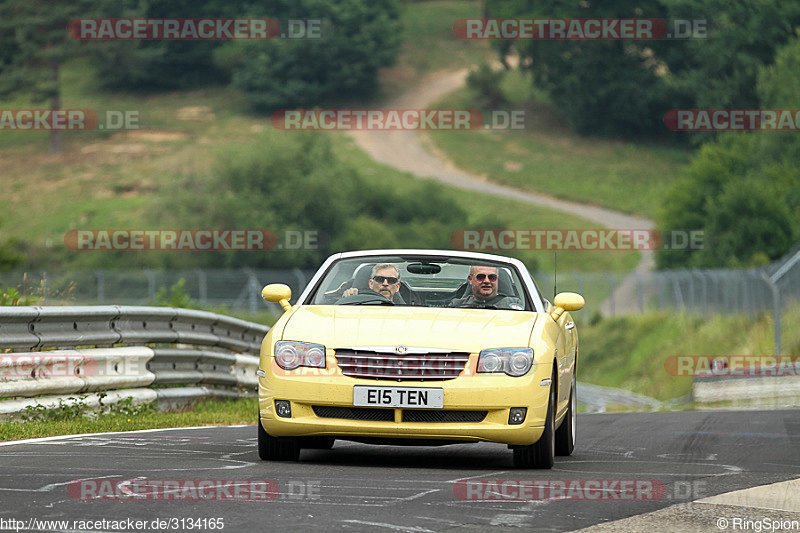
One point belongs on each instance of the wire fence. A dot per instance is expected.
(704, 291)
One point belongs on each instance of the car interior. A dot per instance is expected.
(427, 297)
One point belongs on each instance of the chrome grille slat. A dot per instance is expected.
(408, 357)
(396, 377)
(372, 365)
(417, 365)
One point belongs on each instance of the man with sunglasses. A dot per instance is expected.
(385, 280)
(483, 282)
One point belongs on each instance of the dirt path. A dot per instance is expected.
(409, 151)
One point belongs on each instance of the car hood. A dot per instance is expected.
(456, 329)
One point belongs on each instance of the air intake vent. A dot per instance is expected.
(427, 415)
(354, 413)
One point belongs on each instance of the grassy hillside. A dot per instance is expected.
(112, 180)
(547, 157)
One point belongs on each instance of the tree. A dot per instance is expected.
(39, 47)
(357, 38)
(161, 64)
(299, 182)
(743, 189)
(743, 36)
(605, 87)
(625, 87)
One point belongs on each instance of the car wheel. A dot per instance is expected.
(541, 453)
(565, 434)
(276, 448)
(317, 443)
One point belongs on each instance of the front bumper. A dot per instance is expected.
(493, 393)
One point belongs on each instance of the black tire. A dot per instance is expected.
(565, 434)
(317, 443)
(541, 454)
(276, 448)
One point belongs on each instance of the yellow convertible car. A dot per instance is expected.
(420, 347)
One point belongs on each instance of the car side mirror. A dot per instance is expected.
(567, 301)
(278, 292)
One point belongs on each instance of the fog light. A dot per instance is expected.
(516, 415)
(284, 409)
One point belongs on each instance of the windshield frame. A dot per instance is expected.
(528, 286)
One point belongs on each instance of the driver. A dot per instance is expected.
(385, 280)
(483, 284)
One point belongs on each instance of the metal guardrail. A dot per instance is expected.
(767, 390)
(83, 350)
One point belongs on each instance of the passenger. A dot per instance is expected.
(483, 282)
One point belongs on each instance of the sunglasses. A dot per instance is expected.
(481, 277)
(388, 279)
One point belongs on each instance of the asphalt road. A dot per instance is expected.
(684, 456)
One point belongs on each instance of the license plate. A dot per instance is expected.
(419, 398)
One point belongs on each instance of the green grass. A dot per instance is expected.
(206, 413)
(547, 157)
(630, 352)
(111, 182)
(513, 213)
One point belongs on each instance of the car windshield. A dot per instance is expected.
(422, 281)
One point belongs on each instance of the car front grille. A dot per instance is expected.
(354, 413)
(425, 415)
(416, 365)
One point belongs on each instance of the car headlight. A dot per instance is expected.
(513, 361)
(292, 354)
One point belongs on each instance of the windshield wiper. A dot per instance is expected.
(476, 306)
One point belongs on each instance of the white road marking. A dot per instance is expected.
(390, 526)
(514, 520)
